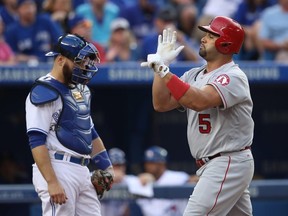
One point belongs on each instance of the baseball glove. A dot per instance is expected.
(102, 181)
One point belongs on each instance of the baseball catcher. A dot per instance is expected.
(62, 135)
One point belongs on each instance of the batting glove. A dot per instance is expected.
(166, 47)
(155, 62)
(160, 69)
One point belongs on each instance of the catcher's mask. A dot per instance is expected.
(231, 34)
(84, 55)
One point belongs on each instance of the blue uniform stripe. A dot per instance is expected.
(53, 208)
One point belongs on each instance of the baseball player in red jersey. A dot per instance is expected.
(220, 128)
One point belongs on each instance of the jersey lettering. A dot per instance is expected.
(204, 123)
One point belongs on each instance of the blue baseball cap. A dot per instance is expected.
(155, 154)
(75, 19)
(117, 156)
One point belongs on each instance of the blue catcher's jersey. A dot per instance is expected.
(73, 128)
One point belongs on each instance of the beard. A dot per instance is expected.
(202, 52)
(67, 72)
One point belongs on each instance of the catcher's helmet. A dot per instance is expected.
(117, 156)
(231, 34)
(155, 154)
(82, 53)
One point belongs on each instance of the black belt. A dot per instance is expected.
(81, 161)
(202, 161)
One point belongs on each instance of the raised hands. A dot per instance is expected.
(166, 46)
(166, 51)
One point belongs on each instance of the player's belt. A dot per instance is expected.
(202, 161)
(81, 161)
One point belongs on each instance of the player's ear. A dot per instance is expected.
(60, 60)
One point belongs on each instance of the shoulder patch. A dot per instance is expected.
(41, 94)
(223, 79)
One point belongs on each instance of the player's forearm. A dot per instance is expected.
(191, 97)
(43, 162)
(98, 146)
(162, 99)
(196, 99)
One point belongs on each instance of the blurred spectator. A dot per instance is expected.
(122, 44)
(119, 207)
(77, 3)
(214, 8)
(32, 35)
(273, 32)
(78, 24)
(59, 11)
(177, 3)
(187, 19)
(8, 11)
(166, 18)
(250, 11)
(101, 13)
(7, 56)
(200, 4)
(141, 17)
(122, 3)
(248, 14)
(155, 163)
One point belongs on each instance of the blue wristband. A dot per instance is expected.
(101, 160)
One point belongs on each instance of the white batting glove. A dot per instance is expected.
(155, 62)
(160, 69)
(166, 48)
(150, 59)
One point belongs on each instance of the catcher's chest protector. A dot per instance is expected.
(73, 129)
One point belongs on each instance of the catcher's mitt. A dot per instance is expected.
(102, 181)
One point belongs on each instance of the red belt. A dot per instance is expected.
(202, 161)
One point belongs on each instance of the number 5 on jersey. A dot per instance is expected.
(204, 123)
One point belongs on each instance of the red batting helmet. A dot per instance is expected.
(231, 34)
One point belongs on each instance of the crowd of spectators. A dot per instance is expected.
(127, 30)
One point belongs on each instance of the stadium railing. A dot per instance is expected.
(269, 197)
(130, 73)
